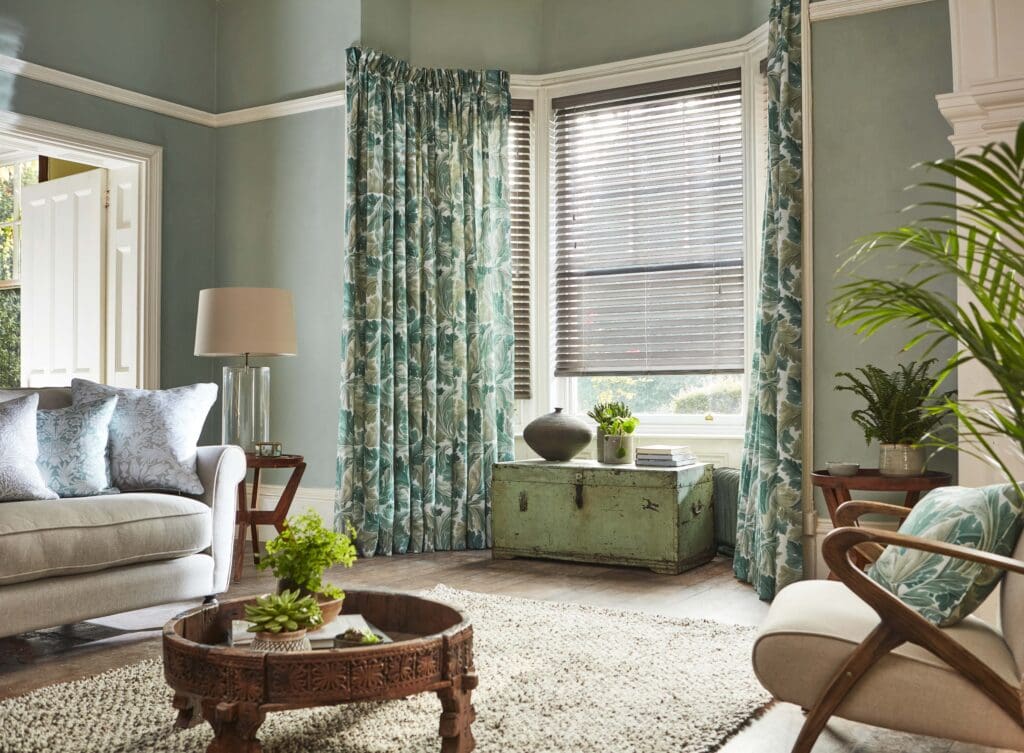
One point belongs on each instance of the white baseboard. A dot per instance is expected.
(824, 525)
(320, 500)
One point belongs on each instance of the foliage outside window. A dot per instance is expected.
(12, 178)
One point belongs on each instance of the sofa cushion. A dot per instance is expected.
(19, 475)
(73, 448)
(49, 397)
(153, 434)
(40, 539)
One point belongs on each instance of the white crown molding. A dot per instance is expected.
(280, 109)
(708, 53)
(751, 41)
(826, 9)
(84, 85)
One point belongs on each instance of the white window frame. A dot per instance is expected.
(746, 54)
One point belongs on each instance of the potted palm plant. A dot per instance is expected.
(302, 552)
(897, 413)
(975, 245)
(280, 621)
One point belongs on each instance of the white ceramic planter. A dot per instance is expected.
(901, 460)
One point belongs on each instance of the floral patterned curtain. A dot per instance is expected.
(427, 338)
(769, 551)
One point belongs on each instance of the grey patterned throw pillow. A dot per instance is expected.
(73, 448)
(153, 434)
(20, 478)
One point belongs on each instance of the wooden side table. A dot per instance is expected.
(249, 515)
(837, 488)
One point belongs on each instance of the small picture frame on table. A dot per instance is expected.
(268, 449)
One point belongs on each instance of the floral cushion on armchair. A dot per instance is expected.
(943, 589)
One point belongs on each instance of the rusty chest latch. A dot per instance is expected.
(579, 491)
(523, 501)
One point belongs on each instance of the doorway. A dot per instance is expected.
(79, 256)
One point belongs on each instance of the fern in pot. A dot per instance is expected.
(900, 411)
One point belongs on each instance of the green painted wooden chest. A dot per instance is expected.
(659, 518)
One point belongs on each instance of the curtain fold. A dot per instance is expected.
(769, 551)
(427, 329)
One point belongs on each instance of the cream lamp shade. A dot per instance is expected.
(240, 321)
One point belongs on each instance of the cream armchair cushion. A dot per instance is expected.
(813, 626)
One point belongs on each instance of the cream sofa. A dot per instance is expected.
(67, 560)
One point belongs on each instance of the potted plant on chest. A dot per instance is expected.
(901, 410)
(280, 621)
(302, 552)
(615, 426)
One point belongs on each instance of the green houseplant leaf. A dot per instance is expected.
(282, 613)
(304, 550)
(979, 250)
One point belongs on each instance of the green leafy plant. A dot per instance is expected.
(979, 250)
(282, 613)
(614, 419)
(365, 637)
(897, 403)
(304, 549)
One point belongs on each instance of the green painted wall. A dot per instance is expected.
(577, 33)
(875, 78)
(269, 50)
(280, 223)
(157, 47)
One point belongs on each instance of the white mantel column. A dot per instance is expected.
(986, 105)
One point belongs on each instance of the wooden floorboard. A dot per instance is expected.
(710, 592)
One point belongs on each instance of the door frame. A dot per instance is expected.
(103, 150)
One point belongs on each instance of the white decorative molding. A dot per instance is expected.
(318, 499)
(987, 112)
(90, 147)
(706, 54)
(280, 109)
(826, 9)
(109, 92)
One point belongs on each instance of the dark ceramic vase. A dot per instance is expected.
(556, 436)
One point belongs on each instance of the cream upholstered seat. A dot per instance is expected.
(851, 649)
(813, 626)
(40, 539)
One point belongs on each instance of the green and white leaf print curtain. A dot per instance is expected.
(769, 551)
(427, 338)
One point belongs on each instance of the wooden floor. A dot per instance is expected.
(710, 592)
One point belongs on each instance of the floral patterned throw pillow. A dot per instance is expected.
(153, 434)
(73, 448)
(942, 589)
(20, 478)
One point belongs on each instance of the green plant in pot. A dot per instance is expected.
(280, 621)
(974, 246)
(900, 412)
(302, 552)
(615, 427)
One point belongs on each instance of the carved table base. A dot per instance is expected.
(233, 689)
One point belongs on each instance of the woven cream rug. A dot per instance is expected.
(554, 678)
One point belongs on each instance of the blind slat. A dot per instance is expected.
(647, 227)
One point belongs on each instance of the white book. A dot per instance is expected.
(322, 637)
(663, 449)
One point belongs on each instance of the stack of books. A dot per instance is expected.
(664, 456)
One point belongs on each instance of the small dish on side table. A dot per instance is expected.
(842, 468)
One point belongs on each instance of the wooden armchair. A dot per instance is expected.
(850, 648)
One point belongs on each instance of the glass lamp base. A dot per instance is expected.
(245, 406)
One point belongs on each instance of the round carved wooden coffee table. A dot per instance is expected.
(234, 688)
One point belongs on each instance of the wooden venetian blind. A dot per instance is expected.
(648, 228)
(520, 162)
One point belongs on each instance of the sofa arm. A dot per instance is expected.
(221, 468)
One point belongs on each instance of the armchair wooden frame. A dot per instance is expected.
(843, 550)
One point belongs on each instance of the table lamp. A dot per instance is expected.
(245, 322)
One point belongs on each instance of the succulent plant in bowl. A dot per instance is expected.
(280, 621)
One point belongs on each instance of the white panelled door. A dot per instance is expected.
(63, 281)
(123, 283)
